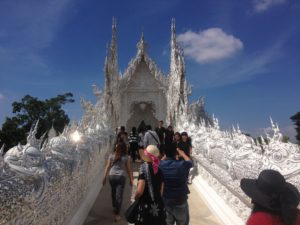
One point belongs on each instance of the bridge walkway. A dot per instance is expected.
(102, 213)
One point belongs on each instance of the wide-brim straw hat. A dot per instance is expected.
(152, 149)
(268, 190)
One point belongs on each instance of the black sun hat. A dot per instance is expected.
(270, 190)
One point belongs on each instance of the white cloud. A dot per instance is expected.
(2, 96)
(242, 68)
(263, 5)
(209, 45)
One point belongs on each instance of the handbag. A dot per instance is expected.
(131, 213)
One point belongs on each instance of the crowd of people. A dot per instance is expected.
(162, 188)
(161, 137)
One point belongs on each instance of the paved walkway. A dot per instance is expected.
(102, 213)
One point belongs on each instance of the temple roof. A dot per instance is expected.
(142, 56)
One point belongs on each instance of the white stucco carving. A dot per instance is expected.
(224, 158)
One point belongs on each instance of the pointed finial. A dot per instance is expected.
(173, 30)
(2, 150)
(36, 127)
(272, 123)
(233, 129)
(113, 61)
(173, 26)
(142, 36)
(107, 49)
(114, 30)
(262, 140)
(238, 127)
(141, 45)
(114, 22)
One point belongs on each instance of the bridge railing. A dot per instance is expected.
(55, 184)
(223, 158)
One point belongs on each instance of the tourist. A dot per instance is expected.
(177, 142)
(177, 139)
(141, 140)
(151, 137)
(169, 138)
(274, 200)
(186, 146)
(149, 189)
(175, 192)
(161, 133)
(123, 135)
(133, 143)
(117, 166)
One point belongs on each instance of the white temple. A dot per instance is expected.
(55, 181)
(142, 92)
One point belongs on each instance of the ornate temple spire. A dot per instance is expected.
(174, 51)
(113, 61)
(142, 45)
(173, 34)
(177, 81)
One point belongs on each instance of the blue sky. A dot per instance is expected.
(243, 56)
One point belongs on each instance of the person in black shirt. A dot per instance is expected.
(161, 133)
(149, 189)
(185, 144)
(169, 138)
(177, 139)
(133, 143)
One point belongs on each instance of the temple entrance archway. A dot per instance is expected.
(142, 111)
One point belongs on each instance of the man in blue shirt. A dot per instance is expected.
(175, 194)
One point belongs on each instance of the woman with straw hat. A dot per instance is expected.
(274, 200)
(149, 189)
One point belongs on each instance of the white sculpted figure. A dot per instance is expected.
(1, 158)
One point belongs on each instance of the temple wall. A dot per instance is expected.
(223, 158)
(64, 192)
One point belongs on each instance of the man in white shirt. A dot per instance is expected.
(151, 137)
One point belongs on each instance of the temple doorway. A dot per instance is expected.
(142, 111)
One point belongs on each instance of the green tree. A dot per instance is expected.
(296, 119)
(28, 111)
(285, 139)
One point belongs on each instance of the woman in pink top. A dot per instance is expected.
(274, 200)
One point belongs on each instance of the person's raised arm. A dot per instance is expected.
(183, 155)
